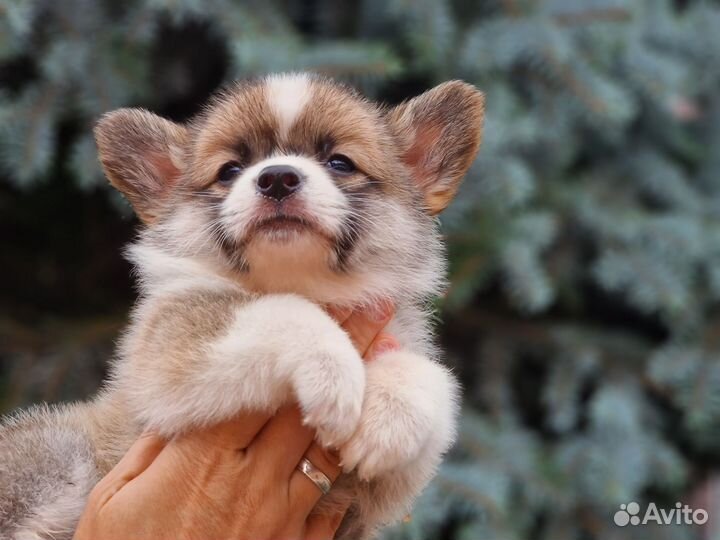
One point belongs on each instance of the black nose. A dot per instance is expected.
(278, 181)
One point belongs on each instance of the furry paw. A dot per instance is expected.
(409, 402)
(330, 386)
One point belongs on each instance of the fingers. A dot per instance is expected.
(137, 459)
(303, 492)
(282, 442)
(364, 326)
(382, 343)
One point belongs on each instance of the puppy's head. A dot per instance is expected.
(297, 184)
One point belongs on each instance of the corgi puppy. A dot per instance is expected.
(285, 194)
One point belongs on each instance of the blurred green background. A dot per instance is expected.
(583, 314)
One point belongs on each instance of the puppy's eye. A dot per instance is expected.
(228, 173)
(341, 164)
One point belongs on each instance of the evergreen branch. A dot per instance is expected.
(617, 346)
(700, 388)
(35, 118)
(482, 455)
(584, 94)
(591, 16)
(339, 71)
(480, 500)
(511, 8)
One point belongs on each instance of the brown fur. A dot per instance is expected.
(444, 119)
(132, 132)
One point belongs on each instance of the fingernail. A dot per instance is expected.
(385, 345)
(380, 311)
(339, 313)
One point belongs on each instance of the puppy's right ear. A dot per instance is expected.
(142, 155)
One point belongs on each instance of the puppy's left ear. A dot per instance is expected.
(440, 133)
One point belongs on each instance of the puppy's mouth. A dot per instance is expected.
(283, 222)
(283, 226)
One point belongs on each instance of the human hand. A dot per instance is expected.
(235, 480)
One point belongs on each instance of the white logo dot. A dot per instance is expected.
(627, 515)
(621, 518)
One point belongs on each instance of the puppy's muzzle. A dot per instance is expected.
(278, 182)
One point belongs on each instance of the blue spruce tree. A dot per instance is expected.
(585, 244)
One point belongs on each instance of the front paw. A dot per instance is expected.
(329, 379)
(330, 390)
(410, 403)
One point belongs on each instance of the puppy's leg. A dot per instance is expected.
(47, 470)
(407, 424)
(410, 404)
(200, 361)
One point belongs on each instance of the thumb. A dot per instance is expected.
(140, 456)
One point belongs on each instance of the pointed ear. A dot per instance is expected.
(440, 133)
(142, 155)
